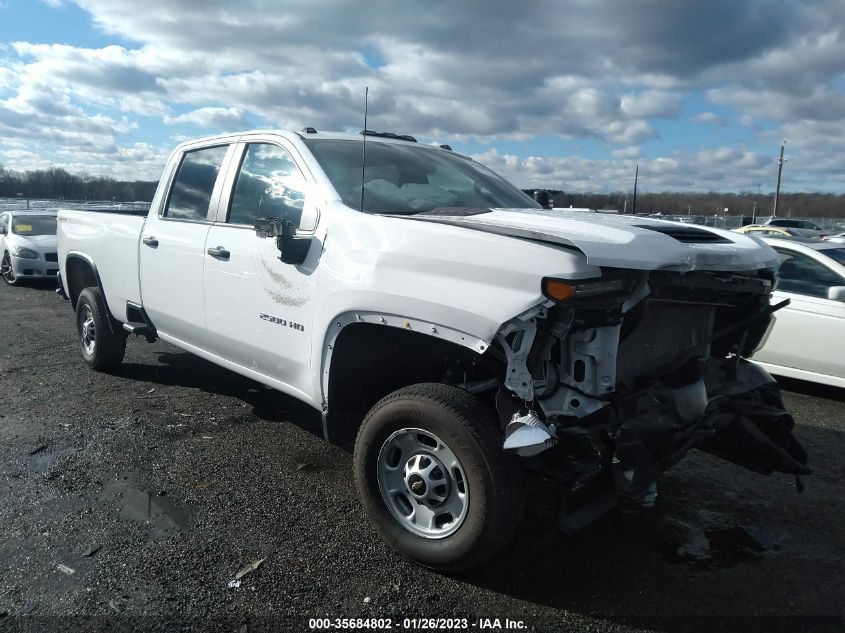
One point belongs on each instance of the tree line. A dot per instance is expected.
(56, 183)
(816, 205)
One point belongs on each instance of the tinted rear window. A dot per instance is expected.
(194, 183)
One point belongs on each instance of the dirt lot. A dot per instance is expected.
(182, 474)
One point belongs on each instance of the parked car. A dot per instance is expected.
(837, 238)
(808, 337)
(762, 230)
(442, 318)
(27, 245)
(803, 227)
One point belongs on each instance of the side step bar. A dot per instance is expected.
(141, 329)
(140, 324)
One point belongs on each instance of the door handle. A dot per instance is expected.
(219, 253)
(151, 242)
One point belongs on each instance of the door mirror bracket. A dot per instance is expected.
(293, 249)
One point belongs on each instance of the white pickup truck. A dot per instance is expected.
(456, 330)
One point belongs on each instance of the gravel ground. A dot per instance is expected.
(183, 474)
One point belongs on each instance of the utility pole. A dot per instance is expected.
(780, 169)
(634, 203)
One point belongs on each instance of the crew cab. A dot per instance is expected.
(445, 323)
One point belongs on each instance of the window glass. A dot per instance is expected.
(836, 254)
(191, 193)
(34, 225)
(802, 275)
(406, 178)
(269, 185)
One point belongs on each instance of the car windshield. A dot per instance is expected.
(34, 225)
(405, 179)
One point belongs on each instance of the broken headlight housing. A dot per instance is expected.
(573, 290)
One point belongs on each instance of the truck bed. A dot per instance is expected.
(111, 240)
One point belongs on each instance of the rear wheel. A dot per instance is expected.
(433, 477)
(6, 270)
(101, 342)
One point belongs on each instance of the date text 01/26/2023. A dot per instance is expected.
(414, 624)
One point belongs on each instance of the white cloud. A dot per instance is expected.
(709, 118)
(626, 152)
(605, 72)
(720, 168)
(222, 119)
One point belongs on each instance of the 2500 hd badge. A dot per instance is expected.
(280, 321)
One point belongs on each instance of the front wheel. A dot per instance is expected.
(433, 478)
(6, 270)
(101, 343)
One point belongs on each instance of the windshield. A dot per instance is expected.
(34, 225)
(407, 179)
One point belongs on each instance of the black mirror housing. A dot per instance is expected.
(543, 198)
(293, 249)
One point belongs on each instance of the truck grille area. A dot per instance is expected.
(51, 257)
(666, 330)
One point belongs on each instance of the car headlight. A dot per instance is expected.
(23, 252)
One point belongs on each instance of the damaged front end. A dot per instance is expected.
(611, 381)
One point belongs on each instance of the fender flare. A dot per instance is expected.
(89, 261)
(341, 321)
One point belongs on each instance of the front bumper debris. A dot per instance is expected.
(732, 409)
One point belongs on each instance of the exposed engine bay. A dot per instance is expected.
(613, 383)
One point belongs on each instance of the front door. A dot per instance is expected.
(258, 310)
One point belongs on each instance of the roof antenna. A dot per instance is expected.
(364, 146)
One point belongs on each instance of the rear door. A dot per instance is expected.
(172, 248)
(259, 310)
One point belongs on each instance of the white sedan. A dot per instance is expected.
(28, 245)
(808, 337)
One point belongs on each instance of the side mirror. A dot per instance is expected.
(836, 293)
(543, 198)
(293, 249)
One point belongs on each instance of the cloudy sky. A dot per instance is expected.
(569, 94)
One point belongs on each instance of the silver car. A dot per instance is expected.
(28, 245)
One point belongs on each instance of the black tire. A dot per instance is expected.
(109, 342)
(8, 271)
(493, 478)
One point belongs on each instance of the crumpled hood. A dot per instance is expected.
(622, 241)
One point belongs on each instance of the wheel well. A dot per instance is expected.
(80, 275)
(370, 361)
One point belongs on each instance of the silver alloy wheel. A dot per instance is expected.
(6, 269)
(87, 330)
(423, 483)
